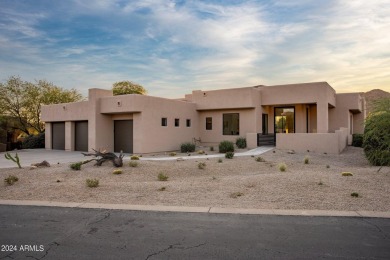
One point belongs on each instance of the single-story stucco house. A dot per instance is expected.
(308, 116)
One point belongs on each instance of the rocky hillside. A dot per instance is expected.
(373, 95)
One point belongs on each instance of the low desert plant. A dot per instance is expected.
(187, 148)
(357, 140)
(306, 160)
(346, 174)
(201, 152)
(220, 160)
(133, 164)
(11, 179)
(259, 159)
(34, 141)
(202, 165)
(226, 146)
(76, 166)
(92, 183)
(15, 159)
(282, 167)
(162, 177)
(235, 195)
(117, 171)
(162, 189)
(172, 154)
(211, 148)
(327, 166)
(214, 178)
(355, 194)
(320, 183)
(229, 155)
(134, 157)
(241, 142)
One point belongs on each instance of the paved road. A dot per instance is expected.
(75, 233)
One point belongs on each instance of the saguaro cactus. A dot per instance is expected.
(16, 160)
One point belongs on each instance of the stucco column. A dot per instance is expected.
(48, 137)
(322, 117)
(69, 136)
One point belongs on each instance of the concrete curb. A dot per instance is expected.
(212, 210)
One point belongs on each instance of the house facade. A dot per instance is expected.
(308, 116)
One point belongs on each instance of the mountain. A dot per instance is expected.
(373, 95)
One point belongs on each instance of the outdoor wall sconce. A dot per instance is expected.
(64, 107)
(119, 103)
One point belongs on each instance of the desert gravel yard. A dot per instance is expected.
(241, 182)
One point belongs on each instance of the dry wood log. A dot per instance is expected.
(41, 164)
(117, 161)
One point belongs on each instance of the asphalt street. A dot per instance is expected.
(75, 233)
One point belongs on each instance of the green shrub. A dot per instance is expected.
(162, 189)
(76, 166)
(226, 146)
(201, 152)
(355, 194)
(187, 148)
(327, 166)
(282, 167)
(202, 165)
(92, 183)
(235, 195)
(346, 174)
(259, 159)
(134, 157)
(172, 154)
(11, 179)
(241, 142)
(34, 141)
(162, 177)
(306, 160)
(117, 171)
(376, 139)
(133, 164)
(229, 155)
(220, 160)
(357, 140)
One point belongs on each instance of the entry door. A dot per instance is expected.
(123, 136)
(58, 136)
(81, 136)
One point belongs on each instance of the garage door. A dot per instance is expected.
(123, 136)
(81, 136)
(58, 136)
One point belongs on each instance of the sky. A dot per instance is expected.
(174, 47)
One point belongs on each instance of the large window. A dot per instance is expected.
(209, 123)
(284, 120)
(231, 124)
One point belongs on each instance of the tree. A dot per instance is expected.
(23, 100)
(376, 138)
(127, 87)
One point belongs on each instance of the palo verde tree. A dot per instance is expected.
(376, 138)
(23, 100)
(127, 87)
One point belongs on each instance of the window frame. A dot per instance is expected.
(188, 122)
(177, 122)
(223, 122)
(209, 125)
(164, 121)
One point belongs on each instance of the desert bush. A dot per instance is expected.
(92, 183)
(226, 146)
(357, 140)
(201, 152)
(241, 142)
(172, 154)
(346, 174)
(11, 179)
(259, 159)
(162, 189)
(211, 148)
(34, 141)
(282, 167)
(133, 164)
(162, 177)
(117, 171)
(202, 165)
(187, 148)
(235, 195)
(376, 138)
(134, 157)
(229, 155)
(355, 194)
(76, 166)
(220, 160)
(306, 160)
(328, 166)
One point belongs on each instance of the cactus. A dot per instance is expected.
(16, 160)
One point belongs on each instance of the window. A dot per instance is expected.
(209, 123)
(284, 120)
(164, 121)
(177, 122)
(231, 124)
(188, 122)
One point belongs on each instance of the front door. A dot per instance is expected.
(123, 136)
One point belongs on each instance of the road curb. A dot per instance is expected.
(210, 210)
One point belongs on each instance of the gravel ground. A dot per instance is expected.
(261, 184)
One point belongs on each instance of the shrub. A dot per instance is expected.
(235, 195)
(226, 146)
(34, 141)
(211, 148)
(355, 194)
(201, 165)
(76, 166)
(200, 152)
(357, 140)
(11, 179)
(172, 154)
(162, 177)
(187, 148)
(346, 174)
(306, 160)
(117, 171)
(327, 166)
(320, 183)
(376, 139)
(134, 157)
(220, 160)
(133, 164)
(282, 167)
(241, 142)
(229, 155)
(92, 183)
(259, 159)
(162, 189)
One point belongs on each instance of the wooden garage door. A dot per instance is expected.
(58, 136)
(81, 136)
(123, 136)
